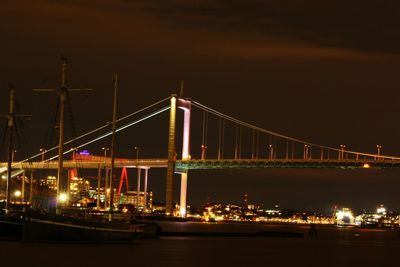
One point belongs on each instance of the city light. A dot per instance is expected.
(381, 210)
(366, 166)
(345, 216)
(63, 197)
(17, 193)
(182, 212)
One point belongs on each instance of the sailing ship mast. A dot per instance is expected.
(113, 136)
(10, 126)
(62, 93)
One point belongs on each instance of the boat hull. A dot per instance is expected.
(49, 231)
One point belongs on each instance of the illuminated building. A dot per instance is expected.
(50, 182)
(381, 210)
(79, 186)
(131, 198)
(93, 194)
(345, 217)
(379, 218)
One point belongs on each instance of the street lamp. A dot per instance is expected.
(342, 147)
(271, 151)
(203, 151)
(74, 151)
(105, 151)
(137, 153)
(378, 147)
(43, 151)
(17, 193)
(13, 155)
(305, 152)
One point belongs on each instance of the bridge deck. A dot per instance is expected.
(283, 163)
(89, 164)
(182, 165)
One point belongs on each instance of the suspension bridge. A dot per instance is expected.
(266, 149)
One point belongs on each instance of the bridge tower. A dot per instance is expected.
(169, 194)
(185, 105)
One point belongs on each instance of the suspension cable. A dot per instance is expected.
(251, 126)
(106, 134)
(97, 129)
(219, 138)
(252, 144)
(236, 141)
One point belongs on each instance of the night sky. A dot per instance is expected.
(323, 72)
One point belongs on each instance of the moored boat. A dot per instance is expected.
(38, 230)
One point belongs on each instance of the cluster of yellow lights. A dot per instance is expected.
(209, 215)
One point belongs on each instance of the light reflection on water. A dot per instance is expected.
(334, 246)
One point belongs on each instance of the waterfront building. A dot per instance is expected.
(50, 182)
(345, 217)
(79, 186)
(131, 198)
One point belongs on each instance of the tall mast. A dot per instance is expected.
(113, 136)
(62, 95)
(10, 125)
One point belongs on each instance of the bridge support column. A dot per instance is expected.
(186, 106)
(31, 190)
(146, 175)
(23, 188)
(139, 171)
(169, 194)
(183, 204)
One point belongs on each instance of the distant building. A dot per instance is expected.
(79, 186)
(93, 194)
(379, 218)
(50, 182)
(131, 198)
(345, 217)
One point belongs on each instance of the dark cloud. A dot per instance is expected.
(232, 28)
(358, 25)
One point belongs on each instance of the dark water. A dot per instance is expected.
(333, 247)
